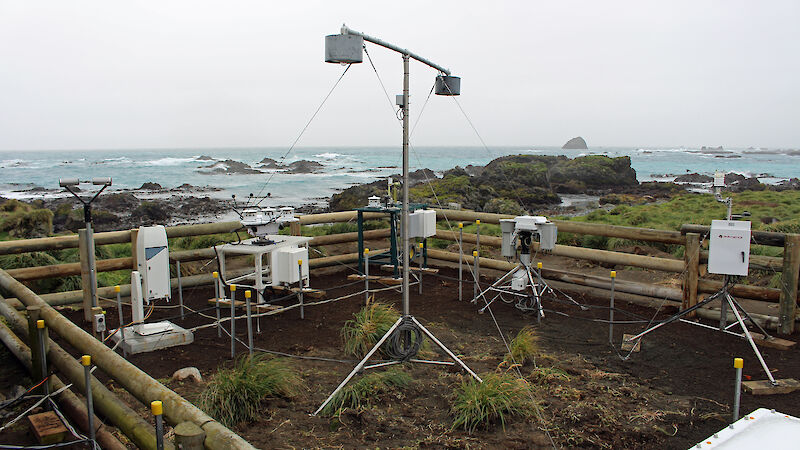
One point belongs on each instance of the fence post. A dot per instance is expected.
(791, 269)
(294, 228)
(691, 257)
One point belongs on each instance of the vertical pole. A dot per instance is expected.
(789, 280)
(233, 320)
(157, 408)
(180, 288)
(738, 364)
(540, 307)
(611, 309)
(393, 243)
(85, 275)
(421, 248)
(478, 235)
(366, 276)
(300, 286)
(92, 263)
(460, 259)
(476, 264)
(691, 257)
(38, 352)
(294, 228)
(247, 295)
(723, 304)
(404, 222)
(86, 361)
(40, 330)
(121, 320)
(360, 224)
(215, 276)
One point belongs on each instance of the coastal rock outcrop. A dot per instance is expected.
(304, 166)
(693, 178)
(576, 143)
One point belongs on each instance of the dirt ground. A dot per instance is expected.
(675, 392)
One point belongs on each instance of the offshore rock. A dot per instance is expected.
(576, 143)
(693, 178)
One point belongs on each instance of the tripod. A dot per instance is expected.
(515, 283)
(726, 301)
(407, 331)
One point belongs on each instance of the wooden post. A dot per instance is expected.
(189, 436)
(86, 278)
(38, 371)
(135, 260)
(691, 257)
(791, 269)
(294, 228)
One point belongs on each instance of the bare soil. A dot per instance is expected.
(675, 392)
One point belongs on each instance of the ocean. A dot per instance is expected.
(35, 174)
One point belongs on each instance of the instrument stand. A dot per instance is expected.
(533, 281)
(726, 301)
(406, 325)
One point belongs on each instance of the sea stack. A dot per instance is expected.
(576, 143)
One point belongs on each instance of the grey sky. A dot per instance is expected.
(100, 74)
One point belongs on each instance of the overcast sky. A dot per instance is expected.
(158, 74)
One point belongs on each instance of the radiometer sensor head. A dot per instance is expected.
(344, 49)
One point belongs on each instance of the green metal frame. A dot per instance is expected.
(392, 258)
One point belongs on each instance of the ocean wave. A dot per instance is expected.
(168, 161)
(329, 155)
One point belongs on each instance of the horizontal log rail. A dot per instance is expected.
(770, 238)
(604, 256)
(110, 237)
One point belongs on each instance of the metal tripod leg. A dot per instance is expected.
(748, 317)
(750, 339)
(497, 283)
(675, 317)
(536, 296)
(360, 365)
(446, 350)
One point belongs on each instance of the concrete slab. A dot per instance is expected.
(136, 343)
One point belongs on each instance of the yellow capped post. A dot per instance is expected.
(366, 251)
(247, 294)
(299, 262)
(474, 253)
(613, 274)
(86, 360)
(460, 224)
(539, 265)
(40, 324)
(478, 222)
(233, 287)
(117, 288)
(156, 407)
(738, 363)
(215, 274)
(421, 245)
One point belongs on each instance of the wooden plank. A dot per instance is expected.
(630, 345)
(389, 267)
(777, 343)
(47, 428)
(242, 305)
(789, 276)
(355, 276)
(764, 387)
(313, 293)
(391, 281)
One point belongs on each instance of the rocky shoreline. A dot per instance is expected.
(512, 184)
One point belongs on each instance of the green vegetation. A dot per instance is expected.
(359, 394)
(546, 375)
(236, 395)
(21, 220)
(524, 347)
(500, 397)
(366, 327)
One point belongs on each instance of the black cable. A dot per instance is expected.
(405, 341)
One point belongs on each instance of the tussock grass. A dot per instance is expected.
(360, 393)
(545, 375)
(366, 327)
(524, 347)
(235, 395)
(500, 397)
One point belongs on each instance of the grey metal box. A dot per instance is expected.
(729, 247)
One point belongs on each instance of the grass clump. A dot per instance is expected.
(500, 397)
(235, 395)
(359, 394)
(545, 375)
(524, 347)
(366, 327)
